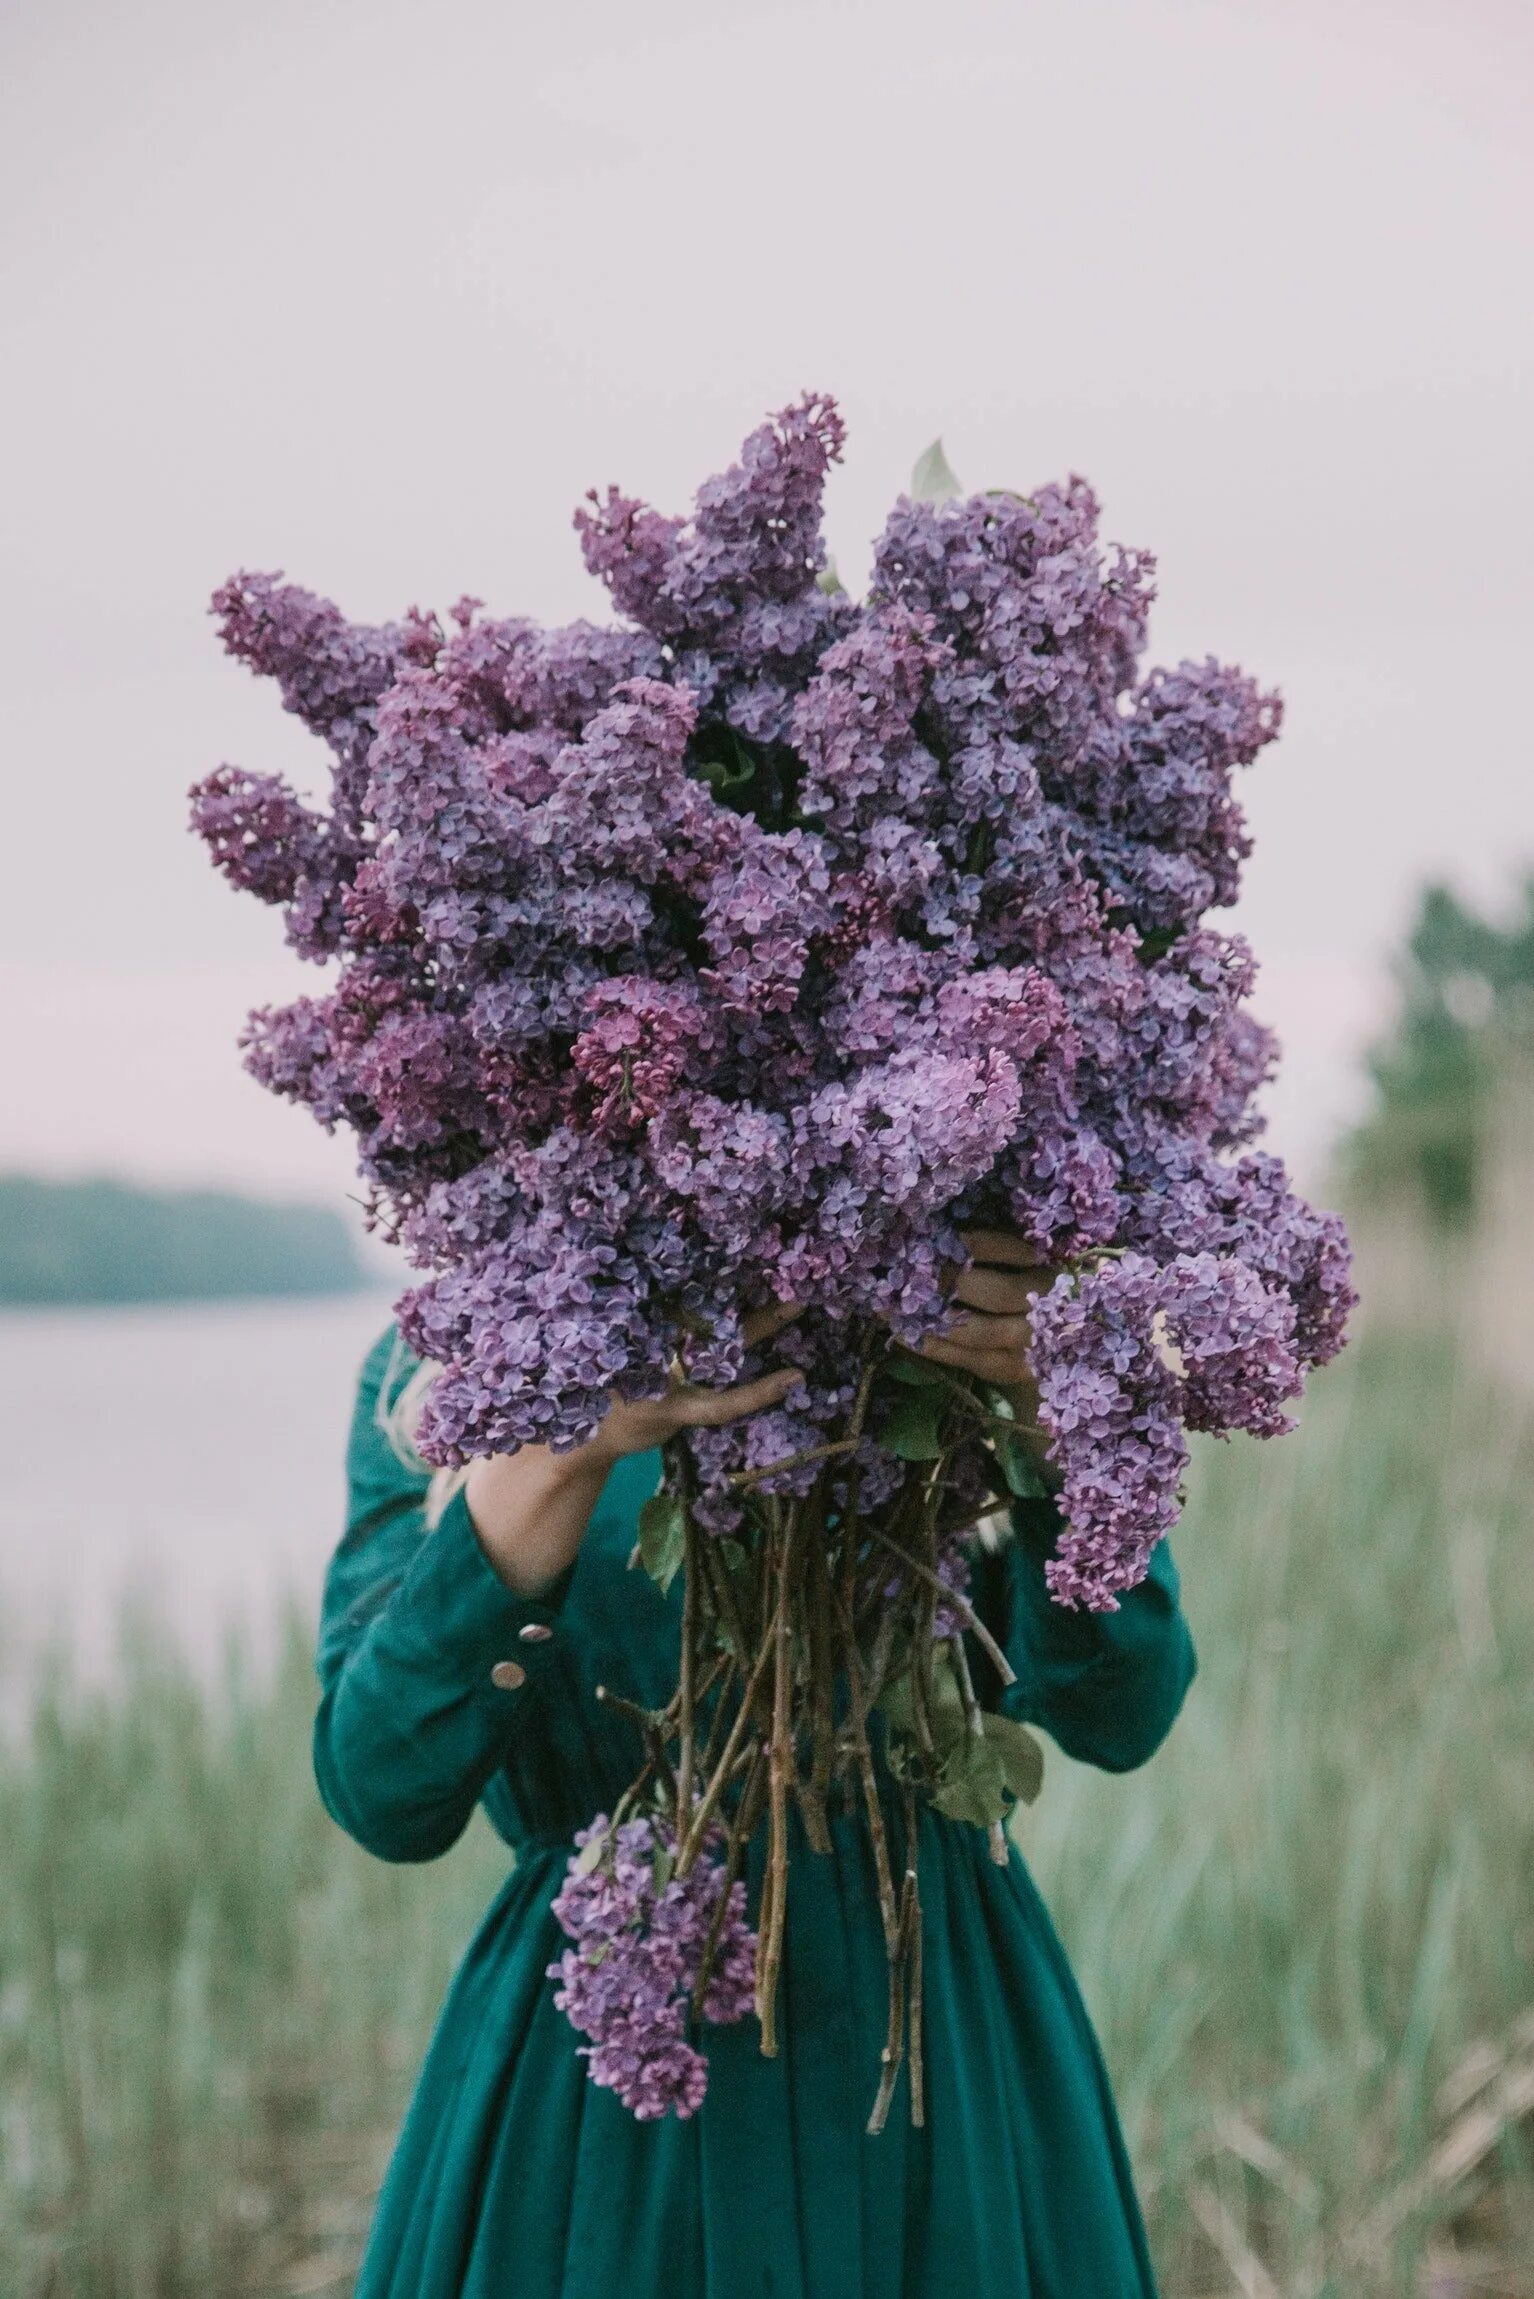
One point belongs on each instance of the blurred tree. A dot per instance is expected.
(1466, 1011)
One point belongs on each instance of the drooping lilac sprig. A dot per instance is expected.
(1133, 1354)
(640, 1936)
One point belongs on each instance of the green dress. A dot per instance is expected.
(516, 2178)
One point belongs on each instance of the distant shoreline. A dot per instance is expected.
(103, 1243)
(17, 1314)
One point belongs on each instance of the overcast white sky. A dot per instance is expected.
(372, 293)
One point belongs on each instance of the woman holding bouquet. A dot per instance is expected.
(460, 1665)
(771, 949)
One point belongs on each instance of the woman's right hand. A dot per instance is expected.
(686, 1405)
(531, 1508)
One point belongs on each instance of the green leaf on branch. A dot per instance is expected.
(1156, 941)
(734, 765)
(974, 1783)
(662, 1538)
(915, 1372)
(913, 1429)
(981, 1778)
(980, 1775)
(896, 1702)
(924, 1373)
(945, 1706)
(933, 481)
(1020, 1756)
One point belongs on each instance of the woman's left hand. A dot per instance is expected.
(997, 1286)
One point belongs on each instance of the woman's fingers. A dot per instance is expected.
(1008, 1368)
(761, 1324)
(994, 1347)
(999, 1245)
(1001, 1291)
(989, 1334)
(713, 1408)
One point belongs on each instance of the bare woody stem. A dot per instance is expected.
(974, 1724)
(871, 1356)
(857, 1725)
(958, 1602)
(974, 1721)
(922, 1698)
(650, 1729)
(780, 1640)
(780, 1761)
(708, 1802)
(746, 1477)
(908, 1506)
(915, 2014)
(883, 1654)
(721, 1589)
(685, 1705)
(851, 1525)
(717, 1721)
(734, 1848)
(915, 2001)
(894, 2040)
(822, 1674)
(656, 1726)
(921, 1679)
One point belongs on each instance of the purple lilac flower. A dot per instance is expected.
(1109, 1398)
(627, 1982)
(638, 1041)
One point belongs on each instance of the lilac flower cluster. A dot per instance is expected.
(1131, 1355)
(640, 1935)
(742, 952)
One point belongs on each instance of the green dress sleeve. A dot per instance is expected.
(410, 1725)
(1106, 1686)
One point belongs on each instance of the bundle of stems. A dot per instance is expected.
(793, 1634)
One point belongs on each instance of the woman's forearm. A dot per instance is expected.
(531, 1509)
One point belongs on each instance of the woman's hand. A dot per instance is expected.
(636, 1428)
(531, 1508)
(997, 1286)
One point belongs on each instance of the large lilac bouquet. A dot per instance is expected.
(739, 953)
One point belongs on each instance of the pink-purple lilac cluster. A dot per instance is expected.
(743, 951)
(640, 1935)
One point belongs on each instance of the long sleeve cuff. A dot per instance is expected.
(453, 1617)
(432, 1695)
(1051, 1636)
(1107, 1685)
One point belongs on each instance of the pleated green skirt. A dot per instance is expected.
(515, 2178)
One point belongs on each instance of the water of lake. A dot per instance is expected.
(188, 1457)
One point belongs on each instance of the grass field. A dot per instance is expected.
(1306, 1931)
